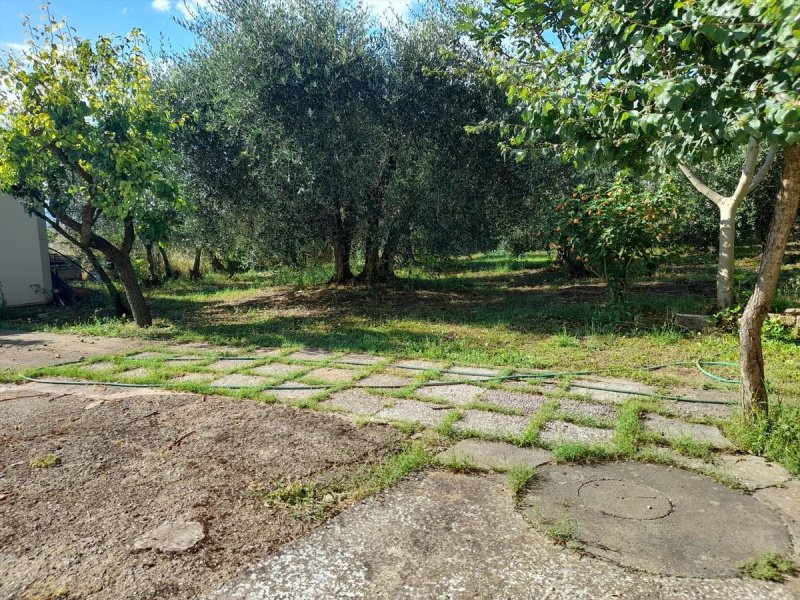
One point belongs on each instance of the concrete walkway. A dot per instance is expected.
(444, 535)
(633, 530)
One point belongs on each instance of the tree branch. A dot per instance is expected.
(701, 187)
(749, 167)
(762, 172)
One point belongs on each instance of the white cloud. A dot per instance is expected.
(190, 8)
(13, 46)
(161, 5)
(385, 10)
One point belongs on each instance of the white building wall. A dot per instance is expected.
(24, 261)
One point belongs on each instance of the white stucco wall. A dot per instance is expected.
(24, 262)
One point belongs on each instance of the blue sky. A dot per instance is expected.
(97, 17)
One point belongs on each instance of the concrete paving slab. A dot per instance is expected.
(601, 388)
(527, 403)
(356, 401)
(385, 379)
(312, 355)
(444, 535)
(423, 365)
(699, 408)
(99, 367)
(478, 374)
(146, 355)
(591, 410)
(458, 394)
(238, 380)
(754, 472)
(134, 373)
(331, 374)
(277, 370)
(174, 537)
(26, 349)
(658, 519)
(497, 456)
(414, 411)
(194, 378)
(359, 359)
(491, 423)
(786, 498)
(285, 392)
(223, 366)
(266, 352)
(555, 432)
(671, 428)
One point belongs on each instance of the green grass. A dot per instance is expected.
(769, 567)
(316, 501)
(776, 436)
(519, 477)
(490, 309)
(460, 464)
(583, 453)
(693, 448)
(45, 461)
(628, 428)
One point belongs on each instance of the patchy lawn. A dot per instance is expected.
(489, 309)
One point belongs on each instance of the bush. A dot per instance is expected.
(776, 436)
(614, 232)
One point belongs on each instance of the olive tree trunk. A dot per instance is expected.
(754, 390)
(152, 264)
(195, 273)
(168, 272)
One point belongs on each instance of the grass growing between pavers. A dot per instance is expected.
(519, 477)
(159, 367)
(318, 502)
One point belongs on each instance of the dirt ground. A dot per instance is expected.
(130, 461)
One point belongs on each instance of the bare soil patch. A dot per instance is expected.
(132, 463)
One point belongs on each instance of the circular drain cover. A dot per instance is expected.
(694, 527)
(625, 499)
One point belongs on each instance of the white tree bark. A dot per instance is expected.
(728, 205)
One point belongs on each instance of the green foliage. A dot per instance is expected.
(776, 436)
(769, 567)
(519, 477)
(81, 123)
(613, 232)
(629, 83)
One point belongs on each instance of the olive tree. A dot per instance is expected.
(293, 91)
(669, 81)
(82, 140)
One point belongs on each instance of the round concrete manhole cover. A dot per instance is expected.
(624, 499)
(654, 518)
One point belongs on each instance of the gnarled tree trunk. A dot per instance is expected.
(754, 391)
(168, 272)
(195, 273)
(118, 302)
(372, 272)
(152, 265)
(133, 291)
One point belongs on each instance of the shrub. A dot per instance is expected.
(776, 436)
(613, 232)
